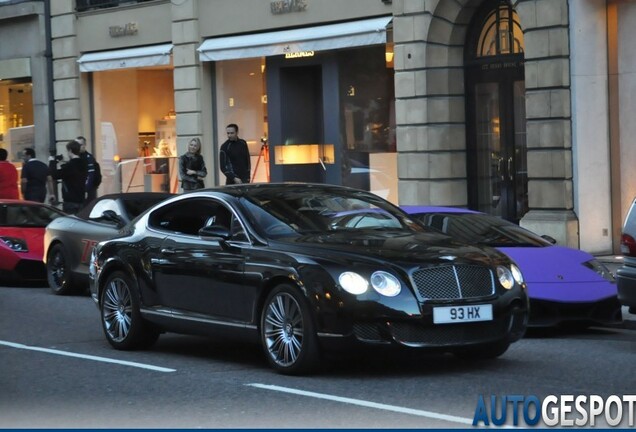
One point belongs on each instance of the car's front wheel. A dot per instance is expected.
(123, 325)
(287, 332)
(58, 271)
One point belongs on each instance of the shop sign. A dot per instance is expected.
(286, 6)
(299, 54)
(129, 29)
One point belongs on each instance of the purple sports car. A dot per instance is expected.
(565, 285)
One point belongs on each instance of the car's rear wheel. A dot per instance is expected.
(58, 271)
(484, 352)
(287, 332)
(123, 325)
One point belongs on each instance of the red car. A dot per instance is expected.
(22, 226)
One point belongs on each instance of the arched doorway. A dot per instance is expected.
(495, 112)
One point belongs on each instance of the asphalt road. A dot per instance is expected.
(57, 371)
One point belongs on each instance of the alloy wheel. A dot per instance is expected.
(283, 329)
(117, 310)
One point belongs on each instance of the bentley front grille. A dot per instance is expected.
(451, 282)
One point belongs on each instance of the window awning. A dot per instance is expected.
(154, 55)
(318, 38)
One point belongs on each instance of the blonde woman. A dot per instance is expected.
(192, 166)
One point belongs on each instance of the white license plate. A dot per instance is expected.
(456, 314)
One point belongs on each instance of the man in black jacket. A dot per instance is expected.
(73, 176)
(234, 157)
(93, 176)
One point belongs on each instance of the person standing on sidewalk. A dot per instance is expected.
(73, 175)
(94, 175)
(8, 177)
(234, 157)
(36, 179)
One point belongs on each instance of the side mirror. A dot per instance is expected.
(549, 239)
(215, 232)
(111, 216)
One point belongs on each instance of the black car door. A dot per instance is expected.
(202, 277)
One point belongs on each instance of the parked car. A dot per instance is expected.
(626, 273)
(68, 241)
(275, 263)
(21, 232)
(565, 285)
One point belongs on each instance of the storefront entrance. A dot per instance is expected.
(495, 105)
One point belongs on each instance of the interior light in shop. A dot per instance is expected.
(230, 102)
(116, 158)
(263, 68)
(389, 53)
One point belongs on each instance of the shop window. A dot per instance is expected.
(368, 120)
(16, 117)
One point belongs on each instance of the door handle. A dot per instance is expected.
(510, 176)
(167, 251)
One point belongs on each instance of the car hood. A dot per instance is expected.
(557, 273)
(394, 246)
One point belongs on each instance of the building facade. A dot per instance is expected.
(516, 108)
(26, 94)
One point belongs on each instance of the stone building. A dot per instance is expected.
(517, 108)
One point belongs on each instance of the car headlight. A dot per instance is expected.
(600, 268)
(353, 283)
(516, 274)
(16, 244)
(385, 283)
(505, 277)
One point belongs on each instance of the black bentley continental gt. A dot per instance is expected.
(303, 268)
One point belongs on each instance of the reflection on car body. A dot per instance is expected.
(565, 285)
(276, 263)
(68, 241)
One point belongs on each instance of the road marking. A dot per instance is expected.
(367, 404)
(87, 357)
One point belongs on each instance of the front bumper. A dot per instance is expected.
(508, 325)
(545, 313)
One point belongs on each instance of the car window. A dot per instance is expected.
(189, 216)
(477, 228)
(27, 215)
(135, 207)
(103, 205)
(297, 212)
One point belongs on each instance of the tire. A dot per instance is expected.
(123, 325)
(287, 332)
(484, 352)
(58, 271)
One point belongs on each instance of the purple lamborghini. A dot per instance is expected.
(565, 285)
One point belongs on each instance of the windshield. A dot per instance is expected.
(297, 211)
(21, 215)
(484, 229)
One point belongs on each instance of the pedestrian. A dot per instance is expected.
(234, 157)
(73, 175)
(94, 173)
(192, 166)
(8, 178)
(36, 179)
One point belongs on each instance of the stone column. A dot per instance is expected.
(187, 79)
(66, 80)
(429, 91)
(547, 75)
